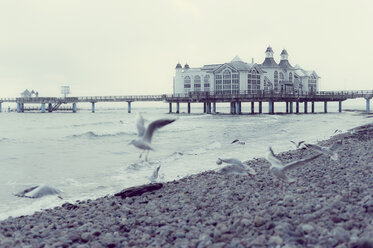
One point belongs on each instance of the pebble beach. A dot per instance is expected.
(329, 205)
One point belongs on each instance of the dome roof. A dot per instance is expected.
(186, 66)
(284, 52)
(269, 49)
(178, 66)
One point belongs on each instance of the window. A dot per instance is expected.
(275, 76)
(206, 83)
(227, 82)
(253, 81)
(197, 83)
(187, 83)
(312, 84)
(290, 77)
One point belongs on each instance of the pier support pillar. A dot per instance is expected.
(50, 107)
(0, 107)
(214, 107)
(43, 107)
(170, 107)
(238, 108)
(177, 108)
(74, 107)
(297, 107)
(188, 107)
(313, 107)
(291, 107)
(93, 107)
(204, 107)
(233, 110)
(18, 107)
(271, 106)
(208, 105)
(260, 107)
(287, 107)
(22, 107)
(129, 107)
(340, 106)
(325, 107)
(252, 107)
(367, 104)
(305, 107)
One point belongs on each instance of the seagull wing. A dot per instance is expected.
(154, 126)
(300, 142)
(271, 157)
(140, 125)
(234, 141)
(300, 162)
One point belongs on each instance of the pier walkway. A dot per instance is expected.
(209, 100)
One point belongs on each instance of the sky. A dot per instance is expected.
(120, 47)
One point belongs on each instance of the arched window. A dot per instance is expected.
(227, 81)
(275, 76)
(206, 83)
(282, 78)
(290, 77)
(197, 83)
(253, 81)
(312, 84)
(187, 83)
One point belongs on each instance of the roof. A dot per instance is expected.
(284, 52)
(269, 49)
(269, 62)
(178, 66)
(235, 59)
(284, 64)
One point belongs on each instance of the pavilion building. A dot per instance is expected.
(238, 76)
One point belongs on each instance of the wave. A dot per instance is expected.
(91, 134)
(94, 124)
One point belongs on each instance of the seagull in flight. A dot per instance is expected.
(235, 165)
(38, 192)
(154, 176)
(145, 135)
(279, 169)
(299, 144)
(328, 151)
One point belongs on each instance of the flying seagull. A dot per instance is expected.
(328, 151)
(236, 165)
(145, 135)
(297, 145)
(279, 169)
(154, 176)
(238, 142)
(38, 191)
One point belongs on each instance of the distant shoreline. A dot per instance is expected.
(330, 204)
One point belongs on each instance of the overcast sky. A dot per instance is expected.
(132, 47)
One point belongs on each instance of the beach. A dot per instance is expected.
(329, 205)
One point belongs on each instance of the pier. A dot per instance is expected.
(209, 100)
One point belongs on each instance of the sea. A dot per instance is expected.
(87, 155)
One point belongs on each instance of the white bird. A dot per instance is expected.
(236, 165)
(279, 169)
(38, 191)
(238, 142)
(145, 135)
(154, 176)
(328, 151)
(297, 145)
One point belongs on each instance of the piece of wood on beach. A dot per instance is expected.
(139, 190)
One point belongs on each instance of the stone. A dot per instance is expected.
(259, 221)
(139, 190)
(275, 240)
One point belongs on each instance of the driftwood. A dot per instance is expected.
(139, 190)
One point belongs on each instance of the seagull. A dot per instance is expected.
(38, 191)
(299, 143)
(328, 151)
(338, 131)
(145, 135)
(236, 165)
(154, 176)
(238, 142)
(278, 168)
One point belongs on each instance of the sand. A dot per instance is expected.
(329, 205)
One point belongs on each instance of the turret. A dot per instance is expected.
(284, 55)
(178, 67)
(186, 67)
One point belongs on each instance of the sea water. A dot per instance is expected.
(86, 155)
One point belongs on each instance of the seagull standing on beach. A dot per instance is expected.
(235, 166)
(328, 151)
(279, 169)
(145, 135)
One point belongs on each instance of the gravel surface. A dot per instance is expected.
(330, 205)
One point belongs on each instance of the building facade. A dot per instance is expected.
(241, 77)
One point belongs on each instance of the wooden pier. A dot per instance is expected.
(209, 100)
